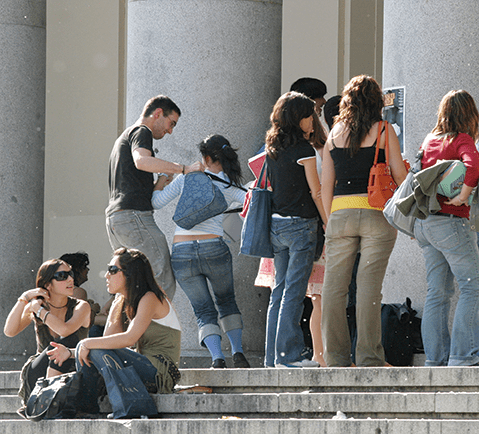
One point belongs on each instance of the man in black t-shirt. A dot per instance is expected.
(129, 215)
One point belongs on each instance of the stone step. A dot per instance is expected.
(242, 426)
(423, 379)
(361, 393)
(440, 405)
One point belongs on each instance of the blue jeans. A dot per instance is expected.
(138, 230)
(450, 250)
(88, 400)
(294, 243)
(195, 263)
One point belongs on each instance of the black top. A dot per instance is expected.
(352, 173)
(291, 192)
(130, 188)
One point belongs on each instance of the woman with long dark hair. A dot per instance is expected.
(57, 317)
(291, 163)
(200, 255)
(448, 243)
(353, 225)
(141, 316)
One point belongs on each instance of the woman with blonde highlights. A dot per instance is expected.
(448, 243)
(353, 225)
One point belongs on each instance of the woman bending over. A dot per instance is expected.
(200, 256)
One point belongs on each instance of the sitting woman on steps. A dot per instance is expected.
(152, 326)
(57, 317)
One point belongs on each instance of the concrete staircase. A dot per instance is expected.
(370, 400)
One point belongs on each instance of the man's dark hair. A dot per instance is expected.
(331, 109)
(160, 101)
(311, 87)
(78, 261)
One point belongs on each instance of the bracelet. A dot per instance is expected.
(38, 313)
(183, 171)
(45, 317)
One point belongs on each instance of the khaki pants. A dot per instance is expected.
(348, 231)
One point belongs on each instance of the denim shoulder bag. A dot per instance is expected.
(199, 201)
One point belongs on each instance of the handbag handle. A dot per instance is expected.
(105, 359)
(386, 145)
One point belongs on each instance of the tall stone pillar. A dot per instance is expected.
(220, 61)
(430, 48)
(22, 143)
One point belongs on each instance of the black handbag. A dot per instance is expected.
(54, 398)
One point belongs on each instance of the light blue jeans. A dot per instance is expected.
(88, 399)
(138, 230)
(450, 250)
(294, 243)
(195, 263)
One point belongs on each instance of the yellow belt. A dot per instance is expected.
(348, 202)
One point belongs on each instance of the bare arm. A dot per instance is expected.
(80, 318)
(396, 162)
(328, 179)
(148, 163)
(148, 308)
(313, 182)
(21, 315)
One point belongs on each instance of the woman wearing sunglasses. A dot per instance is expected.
(150, 324)
(57, 317)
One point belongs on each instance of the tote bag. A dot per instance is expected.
(127, 393)
(255, 235)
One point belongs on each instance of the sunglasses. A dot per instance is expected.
(113, 269)
(62, 275)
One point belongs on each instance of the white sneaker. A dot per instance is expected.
(305, 363)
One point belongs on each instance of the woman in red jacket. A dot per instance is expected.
(448, 243)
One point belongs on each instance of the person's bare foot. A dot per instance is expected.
(320, 360)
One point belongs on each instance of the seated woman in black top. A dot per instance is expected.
(57, 316)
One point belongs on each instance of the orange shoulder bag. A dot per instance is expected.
(381, 184)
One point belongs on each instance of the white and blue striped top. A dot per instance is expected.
(213, 225)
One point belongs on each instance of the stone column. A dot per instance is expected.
(430, 48)
(220, 61)
(22, 143)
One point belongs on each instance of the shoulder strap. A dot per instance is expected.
(386, 144)
(376, 154)
(217, 178)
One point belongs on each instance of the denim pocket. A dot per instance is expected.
(444, 232)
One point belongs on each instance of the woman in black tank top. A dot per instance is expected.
(354, 226)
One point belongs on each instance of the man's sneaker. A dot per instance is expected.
(305, 363)
(239, 361)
